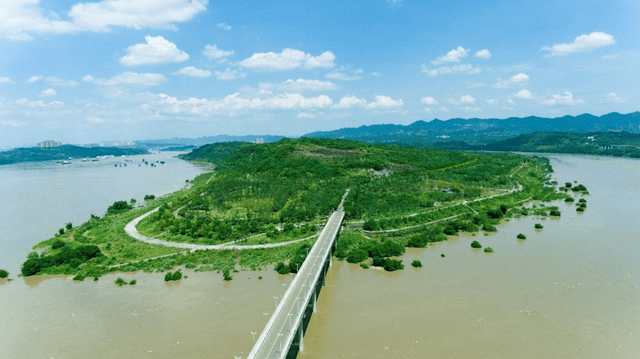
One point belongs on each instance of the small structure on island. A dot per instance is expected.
(49, 144)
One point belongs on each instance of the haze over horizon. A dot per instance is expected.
(81, 72)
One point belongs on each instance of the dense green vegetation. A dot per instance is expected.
(279, 192)
(62, 153)
(3, 274)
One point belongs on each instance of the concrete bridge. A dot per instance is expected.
(283, 335)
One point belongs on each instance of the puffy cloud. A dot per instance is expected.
(59, 82)
(566, 99)
(48, 93)
(34, 78)
(129, 78)
(350, 102)
(452, 56)
(517, 79)
(224, 26)
(301, 85)
(385, 102)
(612, 97)
(229, 74)
(345, 73)
(157, 50)
(137, 14)
(5, 80)
(39, 103)
(193, 72)
(483, 54)
(234, 102)
(20, 19)
(582, 43)
(288, 59)
(306, 115)
(467, 99)
(444, 70)
(523, 94)
(429, 100)
(213, 52)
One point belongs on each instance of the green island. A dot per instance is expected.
(264, 204)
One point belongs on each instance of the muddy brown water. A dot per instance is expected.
(571, 290)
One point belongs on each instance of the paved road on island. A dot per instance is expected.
(133, 232)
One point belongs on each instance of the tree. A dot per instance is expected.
(521, 236)
(119, 206)
(357, 255)
(476, 244)
(3, 273)
(416, 263)
(69, 225)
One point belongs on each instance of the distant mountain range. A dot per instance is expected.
(477, 131)
(180, 143)
(63, 152)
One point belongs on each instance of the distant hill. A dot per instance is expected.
(63, 152)
(186, 143)
(477, 131)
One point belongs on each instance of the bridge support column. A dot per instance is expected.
(301, 333)
(315, 299)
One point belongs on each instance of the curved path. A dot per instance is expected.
(133, 232)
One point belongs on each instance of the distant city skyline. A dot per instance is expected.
(121, 70)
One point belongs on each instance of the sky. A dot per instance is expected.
(115, 70)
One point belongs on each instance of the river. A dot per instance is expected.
(571, 290)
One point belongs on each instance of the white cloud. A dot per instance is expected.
(471, 109)
(350, 102)
(96, 120)
(129, 78)
(517, 79)
(234, 102)
(483, 54)
(39, 103)
(288, 59)
(224, 26)
(306, 115)
(444, 70)
(612, 97)
(467, 99)
(345, 73)
(5, 80)
(429, 101)
(213, 52)
(48, 93)
(60, 82)
(21, 19)
(582, 43)
(444, 109)
(385, 102)
(566, 99)
(137, 14)
(523, 94)
(492, 101)
(301, 85)
(229, 74)
(452, 56)
(193, 72)
(34, 78)
(157, 50)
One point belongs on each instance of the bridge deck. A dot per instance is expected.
(280, 331)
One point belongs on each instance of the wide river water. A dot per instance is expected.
(571, 290)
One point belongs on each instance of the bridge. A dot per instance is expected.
(283, 335)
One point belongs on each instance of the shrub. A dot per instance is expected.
(488, 250)
(282, 268)
(226, 276)
(149, 197)
(416, 263)
(554, 212)
(538, 226)
(489, 228)
(133, 282)
(79, 277)
(364, 265)
(190, 265)
(580, 209)
(357, 255)
(521, 236)
(3, 273)
(442, 255)
(569, 200)
(391, 265)
(120, 282)
(476, 244)
(259, 277)
(119, 206)
(168, 277)
(57, 243)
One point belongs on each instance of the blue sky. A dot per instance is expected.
(81, 72)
